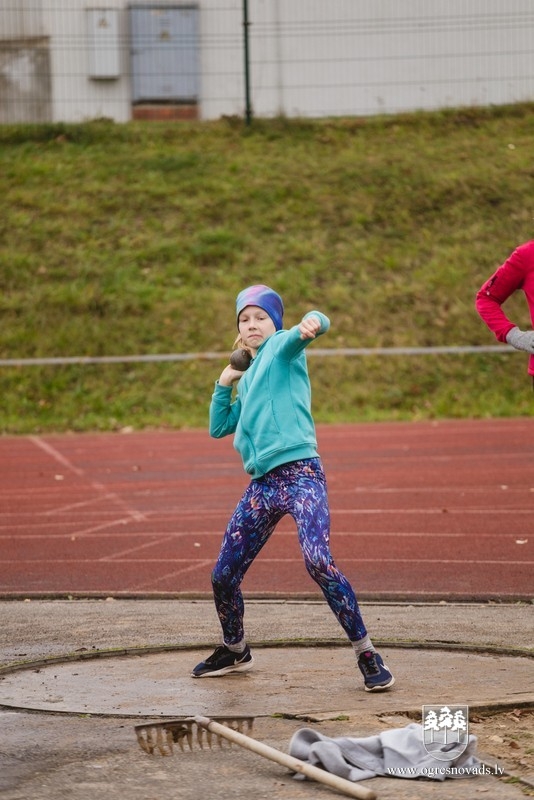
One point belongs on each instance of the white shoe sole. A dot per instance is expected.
(380, 688)
(227, 670)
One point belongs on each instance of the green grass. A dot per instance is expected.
(135, 239)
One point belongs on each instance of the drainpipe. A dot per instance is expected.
(246, 25)
(279, 58)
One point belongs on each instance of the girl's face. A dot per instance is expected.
(255, 325)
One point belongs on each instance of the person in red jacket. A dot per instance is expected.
(517, 273)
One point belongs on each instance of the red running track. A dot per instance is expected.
(420, 511)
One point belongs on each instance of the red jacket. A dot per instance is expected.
(517, 272)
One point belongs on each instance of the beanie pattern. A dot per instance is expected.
(263, 297)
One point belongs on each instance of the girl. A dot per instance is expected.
(275, 436)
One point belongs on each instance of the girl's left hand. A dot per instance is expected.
(309, 328)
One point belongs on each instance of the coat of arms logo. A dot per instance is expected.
(445, 731)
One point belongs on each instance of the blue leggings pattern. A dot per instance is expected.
(298, 489)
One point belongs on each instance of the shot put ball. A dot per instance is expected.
(240, 359)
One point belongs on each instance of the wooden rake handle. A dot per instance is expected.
(294, 764)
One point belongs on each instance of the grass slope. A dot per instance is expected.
(135, 239)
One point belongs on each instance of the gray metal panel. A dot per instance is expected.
(165, 53)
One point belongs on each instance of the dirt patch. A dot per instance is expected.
(51, 756)
(508, 737)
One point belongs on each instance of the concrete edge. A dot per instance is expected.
(120, 652)
(383, 598)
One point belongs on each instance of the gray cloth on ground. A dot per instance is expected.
(397, 753)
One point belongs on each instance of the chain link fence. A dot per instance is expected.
(73, 60)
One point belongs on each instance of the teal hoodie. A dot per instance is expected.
(271, 414)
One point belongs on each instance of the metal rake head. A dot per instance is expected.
(163, 737)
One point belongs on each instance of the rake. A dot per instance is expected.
(164, 738)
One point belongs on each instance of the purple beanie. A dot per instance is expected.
(263, 297)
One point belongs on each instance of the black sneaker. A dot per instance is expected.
(222, 661)
(376, 675)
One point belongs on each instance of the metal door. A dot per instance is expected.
(165, 54)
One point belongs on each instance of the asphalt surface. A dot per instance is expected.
(78, 676)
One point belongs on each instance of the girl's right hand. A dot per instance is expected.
(229, 376)
(309, 327)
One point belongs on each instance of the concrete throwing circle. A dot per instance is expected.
(316, 681)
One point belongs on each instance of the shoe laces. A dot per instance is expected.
(219, 651)
(369, 663)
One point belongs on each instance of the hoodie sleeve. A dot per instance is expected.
(224, 414)
(496, 290)
(290, 344)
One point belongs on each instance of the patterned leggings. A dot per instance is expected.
(298, 489)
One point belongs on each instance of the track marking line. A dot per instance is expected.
(96, 485)
(130, 550)
(191, 568)
(296, 560)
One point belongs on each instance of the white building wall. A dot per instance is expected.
(387, 56)
(307, 57)
(77, 97)
(222, 60)
(21, 18)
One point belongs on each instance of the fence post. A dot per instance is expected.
(246, 25)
